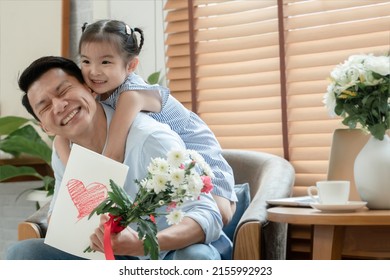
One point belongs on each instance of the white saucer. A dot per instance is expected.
(348, 207)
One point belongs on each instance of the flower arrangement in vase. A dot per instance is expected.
(360, 93)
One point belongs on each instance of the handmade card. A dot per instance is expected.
(84, 185)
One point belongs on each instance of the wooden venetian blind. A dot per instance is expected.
(236, 69)
(318, 36)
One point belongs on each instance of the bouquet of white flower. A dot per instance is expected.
(360, 92)
(170, 182)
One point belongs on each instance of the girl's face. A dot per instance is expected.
(102, 67)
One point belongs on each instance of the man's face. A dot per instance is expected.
(63, 105)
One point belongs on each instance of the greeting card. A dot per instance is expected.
(84, 186)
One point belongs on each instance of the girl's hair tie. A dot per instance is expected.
(84, 26)
(129, 31)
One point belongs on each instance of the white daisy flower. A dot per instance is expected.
(160, 183)
(146, 183)
(161, 165)
(177, 177)
(195, 186)
(174, 217)
(206, 169)
(152, 167)
(176, 158)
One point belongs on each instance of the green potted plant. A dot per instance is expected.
(20, 138)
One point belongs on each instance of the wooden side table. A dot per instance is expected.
(363, 233)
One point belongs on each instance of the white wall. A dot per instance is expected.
(28, 29)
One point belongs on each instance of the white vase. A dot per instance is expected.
(372, 173)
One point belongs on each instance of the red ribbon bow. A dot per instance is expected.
(111, 226)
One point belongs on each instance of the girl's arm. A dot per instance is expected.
(129, 104)
(62, 147)
(150, 99)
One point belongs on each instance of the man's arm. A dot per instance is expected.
(172, 237)
(126, 243)
(202, 222)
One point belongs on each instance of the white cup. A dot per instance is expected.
(330, 192)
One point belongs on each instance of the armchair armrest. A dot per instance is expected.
(34, 226)
(269, 176)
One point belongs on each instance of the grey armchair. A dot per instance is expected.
(268, 176)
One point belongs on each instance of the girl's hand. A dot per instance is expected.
(62, 146)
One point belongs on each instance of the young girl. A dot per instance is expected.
(109, 52)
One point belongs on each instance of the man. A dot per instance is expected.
(57, 97)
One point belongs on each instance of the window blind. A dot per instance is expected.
(318, 36)
(237, 70)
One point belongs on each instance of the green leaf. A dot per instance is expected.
(147, 231)
(117, 203)
(48, 184)
(115, 212)
(9, 124)
(18, 144)
(378, 131)
(116, 200)
(154, 78)
(27, 131)
(98, 209)
(122, 196)
(339, 109)
(10, 171)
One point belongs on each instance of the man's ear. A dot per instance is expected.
(94, 94)
(46, 130)
(132, 65)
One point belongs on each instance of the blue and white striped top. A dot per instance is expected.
(190, 127)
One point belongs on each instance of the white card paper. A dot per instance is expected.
(84, 185)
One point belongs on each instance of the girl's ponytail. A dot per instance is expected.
(141, 34)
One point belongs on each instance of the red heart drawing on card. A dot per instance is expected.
(86, 198)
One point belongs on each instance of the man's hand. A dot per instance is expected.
(124, 243)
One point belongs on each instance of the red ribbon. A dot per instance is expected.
(111, 226)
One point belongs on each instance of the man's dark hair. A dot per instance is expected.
(40, 67)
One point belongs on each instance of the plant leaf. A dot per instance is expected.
(9, 124)
(10, 171)
(122, 196)
(17, 144)
(48, 184)
(154, 78)
(147, 231)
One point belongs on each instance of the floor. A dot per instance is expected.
(12, 211)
